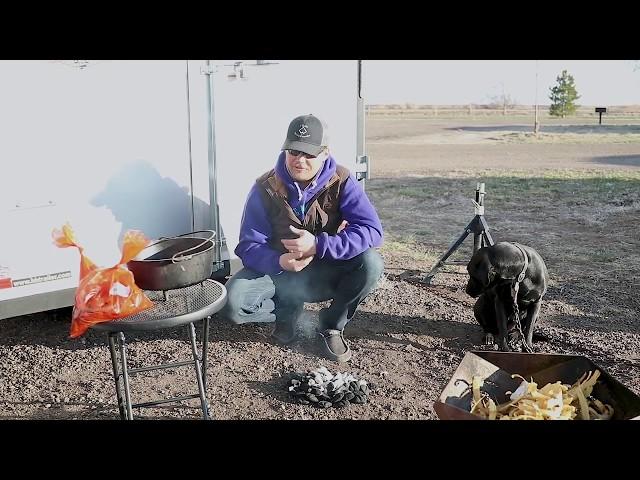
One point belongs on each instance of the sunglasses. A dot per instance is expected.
(297, 153)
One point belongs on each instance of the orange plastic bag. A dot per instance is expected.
(104, 294)
(64, 238)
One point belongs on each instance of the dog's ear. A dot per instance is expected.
(481, 268)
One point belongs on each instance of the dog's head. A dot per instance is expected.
(492, 265)
(481, 273)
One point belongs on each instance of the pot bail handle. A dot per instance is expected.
(182, 257)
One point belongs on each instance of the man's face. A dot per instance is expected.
(302, 166)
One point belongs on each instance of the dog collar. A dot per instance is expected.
(526, 262)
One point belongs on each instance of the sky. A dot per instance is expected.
(460, 82)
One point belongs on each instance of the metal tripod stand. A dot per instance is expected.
(481, 236)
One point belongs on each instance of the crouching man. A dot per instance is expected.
(308, 234)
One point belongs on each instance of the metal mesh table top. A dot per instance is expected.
(181, 306)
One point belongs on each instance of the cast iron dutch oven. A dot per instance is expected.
(174, 262)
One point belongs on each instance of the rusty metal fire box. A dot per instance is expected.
(496, 368)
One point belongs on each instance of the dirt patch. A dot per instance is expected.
(577, 209)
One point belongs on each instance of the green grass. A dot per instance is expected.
(414, 192)
(565, 186)
(565, 138)
(603, 256)
(513, 186)
(583, 215)
(407, 246)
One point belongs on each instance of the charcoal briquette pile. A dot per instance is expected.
(323, 389)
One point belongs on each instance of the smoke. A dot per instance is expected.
(307, 323)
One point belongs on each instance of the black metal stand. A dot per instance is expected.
(481, 236)
(121, 372)
(184, 306)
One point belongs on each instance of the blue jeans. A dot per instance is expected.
(255, 297)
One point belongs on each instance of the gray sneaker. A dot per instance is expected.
(334, 346)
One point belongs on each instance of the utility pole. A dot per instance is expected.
(504, 101)
(536, 124)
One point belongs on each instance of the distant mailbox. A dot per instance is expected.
(601, 110)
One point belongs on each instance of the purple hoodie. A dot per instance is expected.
(363, 232)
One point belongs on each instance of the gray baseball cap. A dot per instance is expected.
(308, 134)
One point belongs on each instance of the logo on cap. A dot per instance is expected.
(303, 132)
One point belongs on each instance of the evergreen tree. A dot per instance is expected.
(563, 96)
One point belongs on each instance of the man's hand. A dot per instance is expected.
(305, 244)
(294, 262)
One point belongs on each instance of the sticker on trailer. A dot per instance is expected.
(49, 277)
(5, 278)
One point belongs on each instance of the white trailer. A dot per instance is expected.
(115, 145)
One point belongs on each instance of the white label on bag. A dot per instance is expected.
(119, 290)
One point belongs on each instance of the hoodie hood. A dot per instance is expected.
(295, 194)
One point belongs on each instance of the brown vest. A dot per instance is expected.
(321, 216)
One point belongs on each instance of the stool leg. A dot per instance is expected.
(116, 374)
(196, 362)
(125, 375)
(205, 344)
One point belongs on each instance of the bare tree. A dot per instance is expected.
(502, 100)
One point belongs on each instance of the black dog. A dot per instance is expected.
(510, 279)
